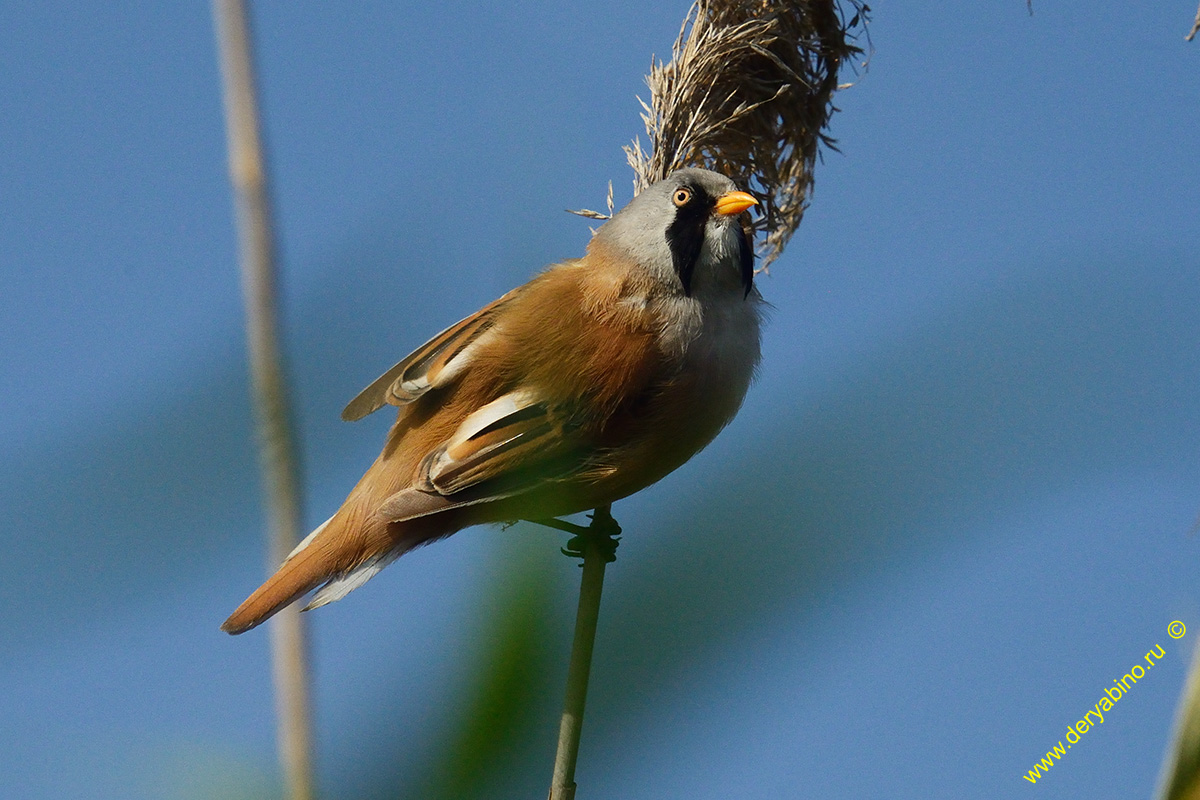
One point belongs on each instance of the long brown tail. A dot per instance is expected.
(301, 573)
(325, 554)
(345, 552)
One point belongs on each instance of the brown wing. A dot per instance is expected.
(566, 343)
(509, 446)
(434, 363)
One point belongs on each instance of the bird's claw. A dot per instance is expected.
(605, 537)
(604, 532)
(574, 548)
(606, 544)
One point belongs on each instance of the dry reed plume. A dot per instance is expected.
(749, 93)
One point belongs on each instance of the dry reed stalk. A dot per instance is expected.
(277, 451)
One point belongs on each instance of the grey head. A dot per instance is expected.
(675, 230)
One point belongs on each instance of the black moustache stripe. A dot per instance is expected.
(685, 235)
(746, 261)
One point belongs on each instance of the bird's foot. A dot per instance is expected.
(604, 533)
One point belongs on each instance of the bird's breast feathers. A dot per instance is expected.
(668, 371)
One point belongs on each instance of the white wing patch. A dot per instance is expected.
(412, 388)
(490, 414)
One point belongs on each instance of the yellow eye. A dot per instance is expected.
(681, 197)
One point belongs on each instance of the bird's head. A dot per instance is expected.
(686, 231)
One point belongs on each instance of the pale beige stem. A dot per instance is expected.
(276, 449)
(597, 546)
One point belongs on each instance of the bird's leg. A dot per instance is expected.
(560, 525)
(604, 531)
(574, 548)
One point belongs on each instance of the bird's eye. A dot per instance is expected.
(681, 197)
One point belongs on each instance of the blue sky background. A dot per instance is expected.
(954, 508)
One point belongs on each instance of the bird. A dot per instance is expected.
(595, 379)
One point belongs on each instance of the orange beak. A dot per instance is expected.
(734, 203)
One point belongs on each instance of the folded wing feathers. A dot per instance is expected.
(508, 446)
(495, 457)
(434, 363)
(374, 397)
(498, 441)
